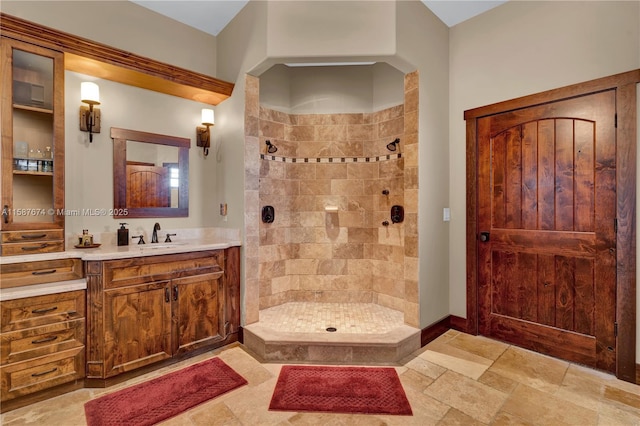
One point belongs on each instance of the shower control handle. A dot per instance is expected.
(397, 214)
(268, 214)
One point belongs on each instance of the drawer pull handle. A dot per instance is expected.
(44, 310)
(41, 246)
(51, 271)
(166, 294)
(175, 292)
(44, 340)
(33, 236)
(44, 372)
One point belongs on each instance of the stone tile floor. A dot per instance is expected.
(457, 379)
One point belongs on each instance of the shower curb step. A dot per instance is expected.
(388, 348)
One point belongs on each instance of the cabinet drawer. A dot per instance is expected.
(23, 378)
(34, 342)
(31, 236)
(16, 249)
(20, 314)
(121, 273)
(45, 271)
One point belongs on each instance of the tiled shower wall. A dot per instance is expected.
(331, 160)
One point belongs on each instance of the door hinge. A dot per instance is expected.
(615, 120)
(615, 329)
(615, 225)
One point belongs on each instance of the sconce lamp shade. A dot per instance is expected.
(207, 117)
(90, 93)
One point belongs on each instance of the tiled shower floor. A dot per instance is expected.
(312, 317)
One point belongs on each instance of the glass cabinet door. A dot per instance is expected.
(31, 137)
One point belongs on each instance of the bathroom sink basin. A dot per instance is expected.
(155, 246)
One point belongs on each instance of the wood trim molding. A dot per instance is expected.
(92, 58)
(626, 136)
(435, 330)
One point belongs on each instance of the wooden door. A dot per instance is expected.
(137, 326)
(547, 232)
(148, 186)
(198, 311)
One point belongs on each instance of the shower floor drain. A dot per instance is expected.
(331, 329)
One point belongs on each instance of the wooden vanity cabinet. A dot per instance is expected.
(32, 168)
(150, 309)
(42, 347)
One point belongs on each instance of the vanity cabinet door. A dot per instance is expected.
(137, 326)
(32, 123)
(198, 311)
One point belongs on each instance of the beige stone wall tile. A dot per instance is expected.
(346, 148)
(271, 129)
(301, 171)
(363, 235)
(280, 284)
(393, 169)
(301, 235)
(351, 219)
(363, 170)
(411, 268)
(314, 282)
(308, 219)
(252, 95)
(411, 178)
(313, 251)
(330, 133)
(270, 270)
(348, 187)
(362, 204)
(359, 267)
(280, 187)
(411, 200)
(391, 128)
(411, 100)
(410, 139)
(360, 132)
(391, 235)
(313, 150)
(389, 301)
(251, 302)
(410, 246)
(315, 187)
(411, 123)
(302, 266)
(300, 203)
(351, 282)
(274, 253)
(332, 267)
(411, 156)
(307, 119)
(330, 235)
(411, 291)
(331, 171)
(411, 80)
(347, 251)
(299, 133)
(251, 126)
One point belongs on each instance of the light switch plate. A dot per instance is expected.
(446, 214)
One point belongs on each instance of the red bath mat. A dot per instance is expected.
(151, 402)
(363, 390)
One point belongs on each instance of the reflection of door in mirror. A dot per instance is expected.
(149, 174)
(147, 186)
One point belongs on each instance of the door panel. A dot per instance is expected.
(546, 195)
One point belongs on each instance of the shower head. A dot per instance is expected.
(391, 146)
(270, 147)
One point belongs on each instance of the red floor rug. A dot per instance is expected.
(363, 390)
(151, 402)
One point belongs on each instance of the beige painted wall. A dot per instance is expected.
(521, 48)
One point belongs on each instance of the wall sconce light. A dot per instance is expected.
(90, 116)
(203, 133)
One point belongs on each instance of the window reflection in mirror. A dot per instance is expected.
(150, 174)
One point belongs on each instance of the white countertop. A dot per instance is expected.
(190, 241)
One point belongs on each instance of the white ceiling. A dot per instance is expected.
(211, 16)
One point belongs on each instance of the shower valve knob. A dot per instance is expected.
(385, 223)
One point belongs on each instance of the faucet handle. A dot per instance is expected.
(168, 239)
(141, 240)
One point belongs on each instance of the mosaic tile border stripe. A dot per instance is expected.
(332, 159)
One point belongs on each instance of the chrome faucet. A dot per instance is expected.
(154, 236)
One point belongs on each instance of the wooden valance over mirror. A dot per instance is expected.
(150, 174)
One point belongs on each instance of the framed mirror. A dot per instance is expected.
(150, 174)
